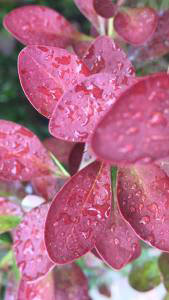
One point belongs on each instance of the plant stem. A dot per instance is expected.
(59, 165)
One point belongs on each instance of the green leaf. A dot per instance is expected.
(166, 297)
(163, 263)
(7, 260)
(8, 222)
(5, 238)
(145, 277)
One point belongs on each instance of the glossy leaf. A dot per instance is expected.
(29, 247)
(22, 156)
(39, 25)
(142, 194)
(136, 25)
(104, 55)
(59, 148)
(105, 8)
(48, 186)
(87, 9)
(163, 263)
(42, 289)
(71, 283)
(78, 214)
(119, 244)
(136, 127)
(158, 44)
(145, 277)
(46, 73)
(78, 112)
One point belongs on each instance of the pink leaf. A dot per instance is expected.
(22, 156)
(78, 214)
(136, 127)
(104, 55)
(142, 193)
(42, 289)
(118, 245)
(87, 9)
(39, 25)
(80, 47)
(78, 112)
(29, 247)
(46, 73)
(136, 25)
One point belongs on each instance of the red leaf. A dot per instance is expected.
(8, 207)
(105, 8)
(87, 9)
(71, 283)
(42, 289)
(75, 158)
(104, 55)
(59, 148)
(136, 127)
(78, 112)
(158, 45)
(78, 214)
(47, 186)
(142, 193)
(39, 25)
(22, 156)
(136, 25)
(118, 245)
(46, 73)
(80, 47)
(29, 247)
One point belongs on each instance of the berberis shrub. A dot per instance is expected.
(110, 129)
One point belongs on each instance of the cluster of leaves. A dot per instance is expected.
(103, 115)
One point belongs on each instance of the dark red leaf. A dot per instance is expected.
(48, 186)
(87, 9)
(75, 158)
(8, 207)
(22, 156)
(142, 193)
(59, 148)
(136, 128)
(105, 8)
(78, 214)
(46, 73)
(104, 55)
(39, 25)
(80, 47)
(29, 247)
(40, 290)
(118, 245)
(158, 45)
(71, 283)
(136, 25)
(78, 112)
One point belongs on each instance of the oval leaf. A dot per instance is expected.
(78, 112)
(22, 156)
(136, 25)
(39, 25)
(78, 214)
(142, 193)
(46, 73)
(145, 277)
(29, 248)
(87, 9)
(104, 55)
(136, 128)
(105, 8)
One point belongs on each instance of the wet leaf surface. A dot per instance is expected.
(39, 25)
(163, 263)
(29, 247)
(78, 214)
(105, 56)
(46, 73)
(79, 110)
(146, 277)
(136, 25)
(105, 8)
(22, 156)
(71, 283)
(136, 127)
(142, 193)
